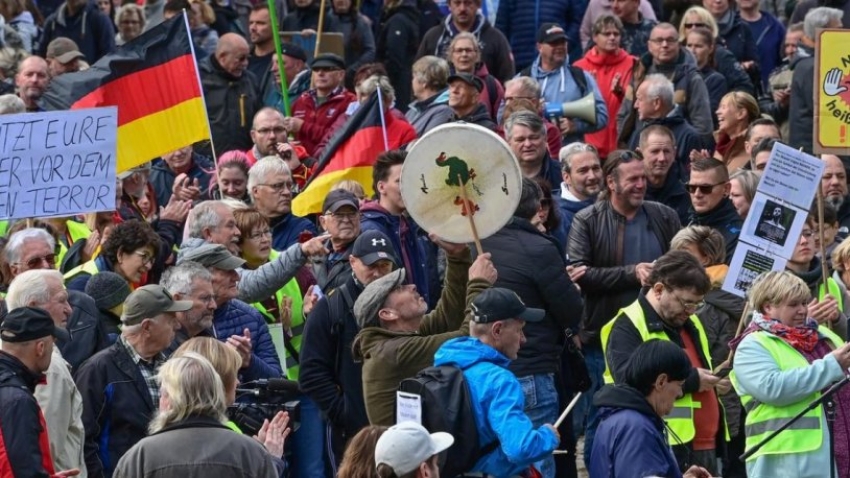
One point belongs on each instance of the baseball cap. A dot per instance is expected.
(496, 304)
(63, 49)
(30, 323)
(469, 79)
(372, 299)
(403, 447)
(149, 301)
(213, 255)
(372, 246)
(293, 50)
(339, 198)
(328, 60)
(550, 32)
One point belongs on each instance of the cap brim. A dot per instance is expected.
(230, 264)
(532, 315)
(441, 441)
(326, 64)
(554, 38)
(125, 174)
(69, 56)
(61, 334)
(180, 306)
(374, 257)
(342, 202)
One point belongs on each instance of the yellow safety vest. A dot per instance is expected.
(293, 291)
(4, 228)
(86, 267)
(834, 291)
(804, 435)
(681, 418)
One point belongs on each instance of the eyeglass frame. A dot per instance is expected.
(31, 263)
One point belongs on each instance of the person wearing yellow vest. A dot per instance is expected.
(666, 310)
(782, 362)
(830, 300)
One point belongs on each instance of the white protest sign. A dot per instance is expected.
(408, 407)
(57, 163)
(746, 265)
(772, 225)
(792, 176)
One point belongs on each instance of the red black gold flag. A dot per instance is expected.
(153, 80)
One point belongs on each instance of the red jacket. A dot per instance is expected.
(319, 119)
(605, 69)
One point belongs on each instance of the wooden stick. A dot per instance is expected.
(321, 26)
(568, 410)
(737, 334)
(470, 213)
(823, 268)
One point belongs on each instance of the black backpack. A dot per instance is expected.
(447, 407)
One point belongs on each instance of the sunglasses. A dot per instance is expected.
(703, 188)
(35, 262)
(694, 25)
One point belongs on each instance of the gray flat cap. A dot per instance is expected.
(372, 298)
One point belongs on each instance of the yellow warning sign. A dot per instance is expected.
(832, 92)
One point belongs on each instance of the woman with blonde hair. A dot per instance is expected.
(744, 183)
(734, 115)
(359, 458)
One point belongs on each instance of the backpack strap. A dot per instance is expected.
(579, 78)
(490, 82)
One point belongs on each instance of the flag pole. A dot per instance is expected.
(380, 94)
(284, 88)
(321, 26)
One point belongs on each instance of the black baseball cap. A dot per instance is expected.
(372, 246)
(339, 198)
(328, 60)
(30, 323)
(293, 50)
(468, 79)
(550, 32)
(496, 303)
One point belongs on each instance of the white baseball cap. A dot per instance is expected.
(403, 447)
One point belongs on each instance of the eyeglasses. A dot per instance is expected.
(702, 188)
(468, 51)
(694, 25)
(207, 299)
(275, 130)
(279, 187)
(661, 41)
(687, 305)
(146, 258)
(807, 233)
(344, 216)
(260, 235)
(35, 262)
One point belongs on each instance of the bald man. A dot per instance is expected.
(31, 80)
(231, 95)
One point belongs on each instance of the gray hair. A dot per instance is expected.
(266, 167)
(17, 240)
(565, 155)
(433, 71)
(179, 279)
(193, 387)
(820, 17)
(658, 86)
(530, 120)
(11, 104)
(204, 215)
(526, 84)
(369, 85)
(31, 288)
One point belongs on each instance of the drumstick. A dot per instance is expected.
(568, 410)
(470, 211)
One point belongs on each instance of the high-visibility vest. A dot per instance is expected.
(834, 291)
(77, 231)
(4, 228)
(681, 418)
(293, 291)
(86, 267)
(802, 436)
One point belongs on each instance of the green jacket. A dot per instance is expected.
(390, 357)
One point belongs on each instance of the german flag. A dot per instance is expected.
(349, 155)
(153, 80)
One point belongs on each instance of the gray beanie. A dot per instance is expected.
(108, 289)
(372, 299)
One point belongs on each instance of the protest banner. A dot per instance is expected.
(58, 163)
(777, 216)
(832, 92)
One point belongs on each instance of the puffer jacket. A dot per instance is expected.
(596, 240)
(498, 404)
(412, 246)
(429, 113)
(258, 284)
(520, 19)
(162, 177)
(231, 105)
(233, 318)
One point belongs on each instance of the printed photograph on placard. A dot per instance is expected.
(775, 222)
(773, 225)
(746, 265)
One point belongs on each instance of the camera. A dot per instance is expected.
(263, 399)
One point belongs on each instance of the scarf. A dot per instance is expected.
(803, 338)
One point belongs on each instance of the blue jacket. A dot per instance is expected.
(567, 209)
(520, 19)
(629, 441)
(233, 318)
(286, 228)
(417, 253)
(498, 404)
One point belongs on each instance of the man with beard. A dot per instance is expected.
(262, 43)
(667, 311)
(192, 282)
(271, 138)
(31, 80)
(582, 174)
(270, 185)
(614, 272)
(658, 148)
(182, 172)
(833, 184)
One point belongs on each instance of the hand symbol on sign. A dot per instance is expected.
(832, 83)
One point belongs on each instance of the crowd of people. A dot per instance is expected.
(203, 329)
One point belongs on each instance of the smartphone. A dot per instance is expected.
(723, 373)
(318, 291)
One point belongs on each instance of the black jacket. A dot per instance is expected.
(304, 18)
(530, 263)
(329, 374)
(737, 37)
(737, 78)
(479, 116)
(397, 42)
(21, 424)
(672, 193)
(596, 240)
(725, 219)
(88, 332)
(231, 105)
(802, 104)
(687, 139)
(117, 408)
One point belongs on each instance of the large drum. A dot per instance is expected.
(455, 156)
